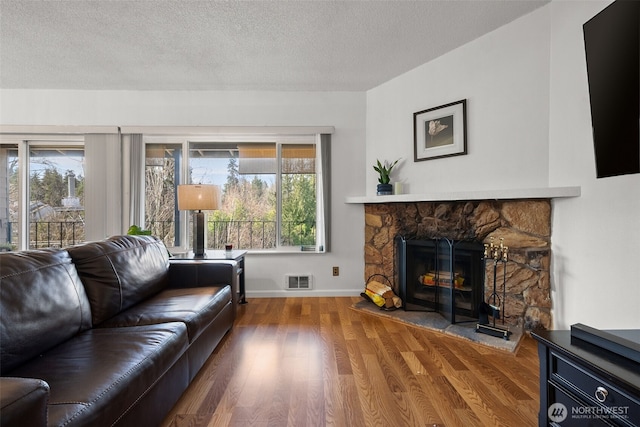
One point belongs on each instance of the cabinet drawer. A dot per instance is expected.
(605, 398)
(563, 412)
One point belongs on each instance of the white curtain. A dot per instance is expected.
(103, 186)
(133, 180)
(323, 169)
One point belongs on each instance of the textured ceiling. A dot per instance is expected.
(230, 45)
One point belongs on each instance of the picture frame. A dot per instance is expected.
(440, 131)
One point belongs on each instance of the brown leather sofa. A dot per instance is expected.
(107, 333)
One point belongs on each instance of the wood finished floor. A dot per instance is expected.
(316, 362)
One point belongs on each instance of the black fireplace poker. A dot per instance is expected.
(498, 253)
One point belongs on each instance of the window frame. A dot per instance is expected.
(322, 215)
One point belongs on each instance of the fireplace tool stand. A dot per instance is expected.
(495, 304)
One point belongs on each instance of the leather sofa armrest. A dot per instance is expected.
(197, 273)
(23, 401)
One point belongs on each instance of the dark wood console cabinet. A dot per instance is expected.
(582, 384)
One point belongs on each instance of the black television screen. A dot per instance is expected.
(612, 47)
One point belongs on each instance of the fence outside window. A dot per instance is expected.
(49, 234)
(255, 234)
(241, 234)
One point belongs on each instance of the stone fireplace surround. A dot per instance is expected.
(525, 226)
(521, 216)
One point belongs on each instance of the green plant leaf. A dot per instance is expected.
(384, 171)
(134, 230)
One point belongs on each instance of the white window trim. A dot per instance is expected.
(184, 136)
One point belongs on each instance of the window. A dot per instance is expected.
(246, 173)
(272, 196)
(298, 193)
(52, 174)
(275, 188)
(162, 175)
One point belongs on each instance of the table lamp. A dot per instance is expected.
(198, 197)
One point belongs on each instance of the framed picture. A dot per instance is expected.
(440, 131)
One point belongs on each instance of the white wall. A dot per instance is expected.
(596, 237)
(504, 77)
(528, 125)
(345, 111)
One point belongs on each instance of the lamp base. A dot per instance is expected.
(198, 235)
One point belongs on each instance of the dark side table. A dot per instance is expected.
(213, 256)
(582, 384)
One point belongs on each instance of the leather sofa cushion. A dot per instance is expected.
(95, 377)
(197, 307)
(120, 272)
(23, 401)
(42, 303)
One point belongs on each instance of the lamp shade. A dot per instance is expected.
(195, 197)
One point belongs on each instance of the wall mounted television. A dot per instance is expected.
(612, 48)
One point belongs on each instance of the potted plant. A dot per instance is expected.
(384, 170)
(135, 230)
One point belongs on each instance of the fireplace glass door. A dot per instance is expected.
(441, 275)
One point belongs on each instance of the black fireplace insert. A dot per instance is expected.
(441, 275)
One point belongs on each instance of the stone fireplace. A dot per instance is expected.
(525, 226)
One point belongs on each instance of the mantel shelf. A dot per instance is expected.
(450, 196)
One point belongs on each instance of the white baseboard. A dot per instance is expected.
(304, 293)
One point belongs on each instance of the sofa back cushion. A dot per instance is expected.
(42, 303)
(120, 271)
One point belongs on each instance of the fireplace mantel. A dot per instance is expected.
(450, 196)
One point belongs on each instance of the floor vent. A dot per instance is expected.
(294, 282)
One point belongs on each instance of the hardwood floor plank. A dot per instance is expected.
(382, 397)
(466, 418)
(448, 357)
(351, 401)
(447, 402)
(495, 377)
(421, 399)
(389, 367)
(369, 408)
(524, 375)
(475, 400)
(334, 413)
(502, 410)
(307, 361)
